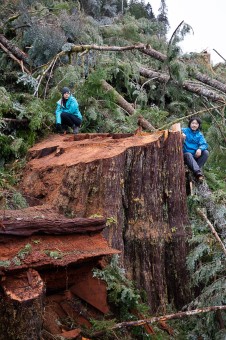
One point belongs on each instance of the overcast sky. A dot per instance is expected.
(207, 18)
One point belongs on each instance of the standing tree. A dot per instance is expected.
(149, 10)
(162, 18)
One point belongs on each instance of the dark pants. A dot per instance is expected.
(195, 164)
(68, 119)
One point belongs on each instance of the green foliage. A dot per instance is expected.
(5, 263)
(18, 201)
(27, 80)
(38, 37)
(206, 261)
(5, 101)
(103, 326)
(121, 292)
(54, 254)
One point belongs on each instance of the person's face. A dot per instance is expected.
(66, 95)
(194, 125)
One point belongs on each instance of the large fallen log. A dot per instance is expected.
(119, 99)
(191, 87)
(216, 84)
(28, 227)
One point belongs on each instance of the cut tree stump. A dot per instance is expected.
(21, 305)
(138, 184)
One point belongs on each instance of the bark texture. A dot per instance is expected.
(138, 184)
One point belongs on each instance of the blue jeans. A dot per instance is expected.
(195, 164)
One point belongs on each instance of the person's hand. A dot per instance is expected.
(198, 153)
(183, 136)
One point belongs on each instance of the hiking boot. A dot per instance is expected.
(75, 129)
(199, 176)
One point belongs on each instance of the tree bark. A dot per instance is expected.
(21, 305)
(145, 124)
(138, 183)
(62, 226)
(119, 99)
(14, 50)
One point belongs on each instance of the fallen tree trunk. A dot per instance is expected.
(21, 305)
(14, 49)
(61, 226)
(12, 56)
(150, 52)
(197, 89)
(119, 99)
(197, 75)
(145, 124)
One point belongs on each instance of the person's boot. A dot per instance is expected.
(199, 176)
(75, 129)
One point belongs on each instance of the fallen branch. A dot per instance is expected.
(178, 315)
(12, 56)
(204, 217)
(15, 120)
(190, 115)
(14, 49)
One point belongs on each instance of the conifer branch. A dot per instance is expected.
(190, 115)
(204, 217)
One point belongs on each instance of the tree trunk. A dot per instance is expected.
(119, 99)
(21, 307)
(145, 124)
(197, 89)
(138, 184)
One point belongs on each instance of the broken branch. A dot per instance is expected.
(204, 217)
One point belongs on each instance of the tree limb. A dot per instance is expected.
(190, 115)
(12, 56)
(204, 217)
(178, 315)
(14, 50)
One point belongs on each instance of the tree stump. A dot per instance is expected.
(21, 305)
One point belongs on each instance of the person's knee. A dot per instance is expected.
(205, 153)
(188, 155)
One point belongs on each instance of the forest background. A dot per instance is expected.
(38, 56)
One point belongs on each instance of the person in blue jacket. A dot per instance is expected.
(67, 112)
(195, 147)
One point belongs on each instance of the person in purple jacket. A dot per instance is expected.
(195, 147)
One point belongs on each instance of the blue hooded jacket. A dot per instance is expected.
(70, 107)
(194, 141)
